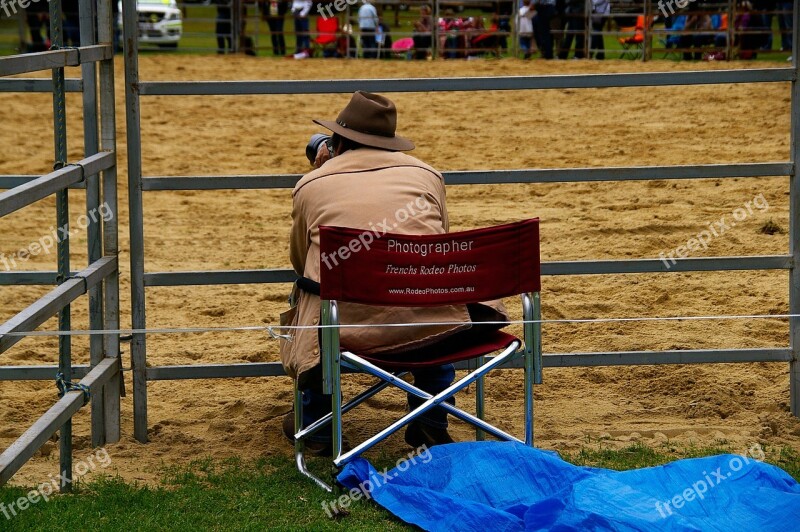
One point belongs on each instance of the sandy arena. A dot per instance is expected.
(705, 405)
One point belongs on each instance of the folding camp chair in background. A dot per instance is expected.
(633, 45)
(461, 268)
(327, 37)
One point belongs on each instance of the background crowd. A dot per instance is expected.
(550, 29)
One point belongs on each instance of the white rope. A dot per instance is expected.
(271, 329)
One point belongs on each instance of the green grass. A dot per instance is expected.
(270, 494)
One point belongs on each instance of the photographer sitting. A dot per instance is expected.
(368, 183)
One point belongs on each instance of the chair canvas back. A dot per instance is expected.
(368, 267)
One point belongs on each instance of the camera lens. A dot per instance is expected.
(312, 148)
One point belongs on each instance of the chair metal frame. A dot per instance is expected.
(334, 361)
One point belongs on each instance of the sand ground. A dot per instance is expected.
(734, 404)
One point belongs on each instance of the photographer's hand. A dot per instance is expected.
(322, 155)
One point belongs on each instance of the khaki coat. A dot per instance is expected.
(366, 189)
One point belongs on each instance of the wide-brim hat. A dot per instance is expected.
(371, 120)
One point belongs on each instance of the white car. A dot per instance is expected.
(159, 22)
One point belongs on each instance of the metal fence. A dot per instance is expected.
(101, 383)
(141, 280)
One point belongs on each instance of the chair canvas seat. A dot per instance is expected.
(447, 353)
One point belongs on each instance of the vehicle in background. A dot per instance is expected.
(160, 22)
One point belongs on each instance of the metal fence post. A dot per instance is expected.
(108, 133)
(62, 221)
(587, 29)
(136, 222)
(794, 225)
(730, 31)
(93, 234)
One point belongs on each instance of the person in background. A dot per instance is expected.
(699, 23)
(545, 11)
(785, 23)
(224, 26)
(504, 13)
(71, 27)
(600, 12)
(575, 16)
(525, 28)
(300, 10)
(367, 24)
(274, 11)
(38, 16)
(423, 31)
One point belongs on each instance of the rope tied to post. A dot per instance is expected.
(65, 386)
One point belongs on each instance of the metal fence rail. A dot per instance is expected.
(477, 177)
(577, 81)
(100, 279)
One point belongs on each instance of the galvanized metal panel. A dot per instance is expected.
(38, 373)
(555, 360)
(28, 278)
(136, 216)
(219, 277)
(59, 414)
(794, 224)
(690, 356)
(491, 177)
(25, 194)
(35, 62)
(27, 85)
(48, 305)
(579, 81)
(11, 181)
(703, 264)
(581, 267)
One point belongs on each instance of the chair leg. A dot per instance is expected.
(480, 401)
(336, 407)
(299, 445)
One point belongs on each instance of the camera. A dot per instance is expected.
(316, 141)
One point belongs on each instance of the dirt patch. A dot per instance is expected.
(191, 230)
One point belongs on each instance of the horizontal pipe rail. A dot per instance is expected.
(66, 57)
(38, 373)
(28, 278)
(689, 356)
(702, 264)
(490, 177)
(579, 267)
(579, 81)
(48, 305)
(558, 360)
(38, 85)
(11, 181)
(32, 439)
(219, 277)
(33, 191)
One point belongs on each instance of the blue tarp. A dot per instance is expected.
(505, 486)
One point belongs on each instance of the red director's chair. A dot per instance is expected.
(492, 263)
